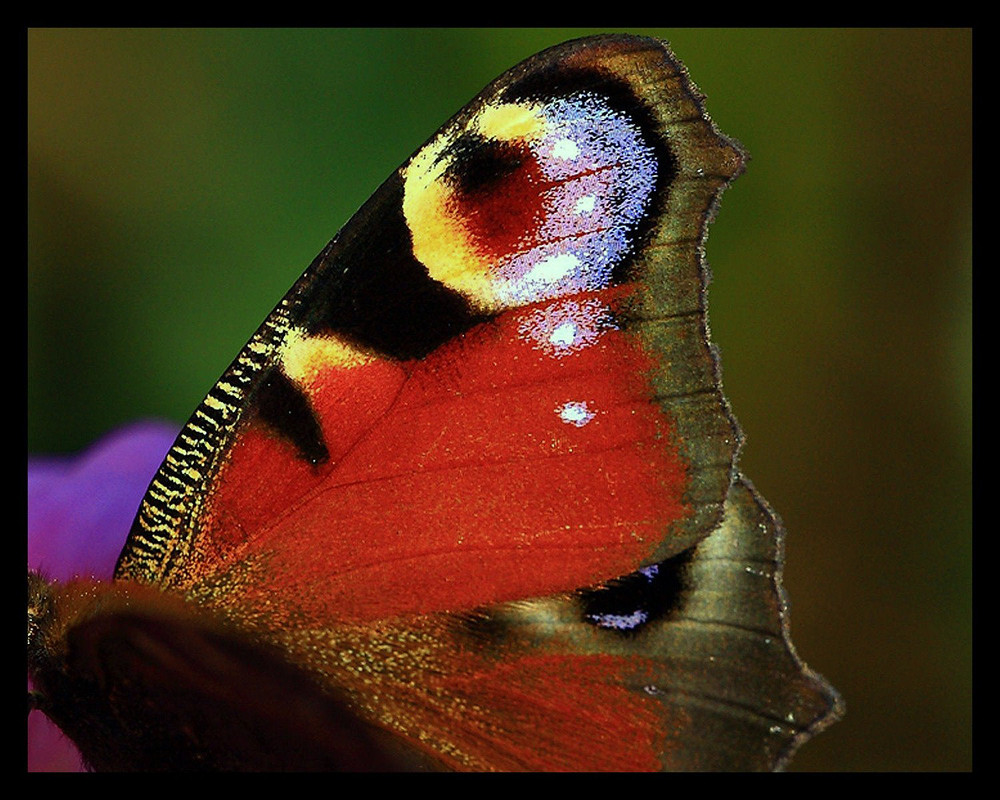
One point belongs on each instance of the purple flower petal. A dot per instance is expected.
(80, 509)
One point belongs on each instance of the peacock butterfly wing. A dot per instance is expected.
(519, 307)
(464, 473)
(685, 666)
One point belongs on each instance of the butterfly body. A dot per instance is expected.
(460, 481)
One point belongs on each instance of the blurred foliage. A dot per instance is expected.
(180, 180)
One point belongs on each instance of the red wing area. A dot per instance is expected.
(522, 459)
(713, 684)
(519, 701)
(538, 713)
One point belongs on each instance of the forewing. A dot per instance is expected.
(494, 383)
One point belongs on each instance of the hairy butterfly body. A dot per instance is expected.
(469, 494)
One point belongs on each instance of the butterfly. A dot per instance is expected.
(468, 498)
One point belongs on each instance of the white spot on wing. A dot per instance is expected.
(575, 413)
(585, 204)
(553, 269)
(565, 149)
(564, 335)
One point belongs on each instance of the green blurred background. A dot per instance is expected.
(180, 180)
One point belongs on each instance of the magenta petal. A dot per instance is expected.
(80, 509)
(48, 748)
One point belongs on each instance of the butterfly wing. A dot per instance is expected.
(505, 351)
(695, 671)
(494, 384)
